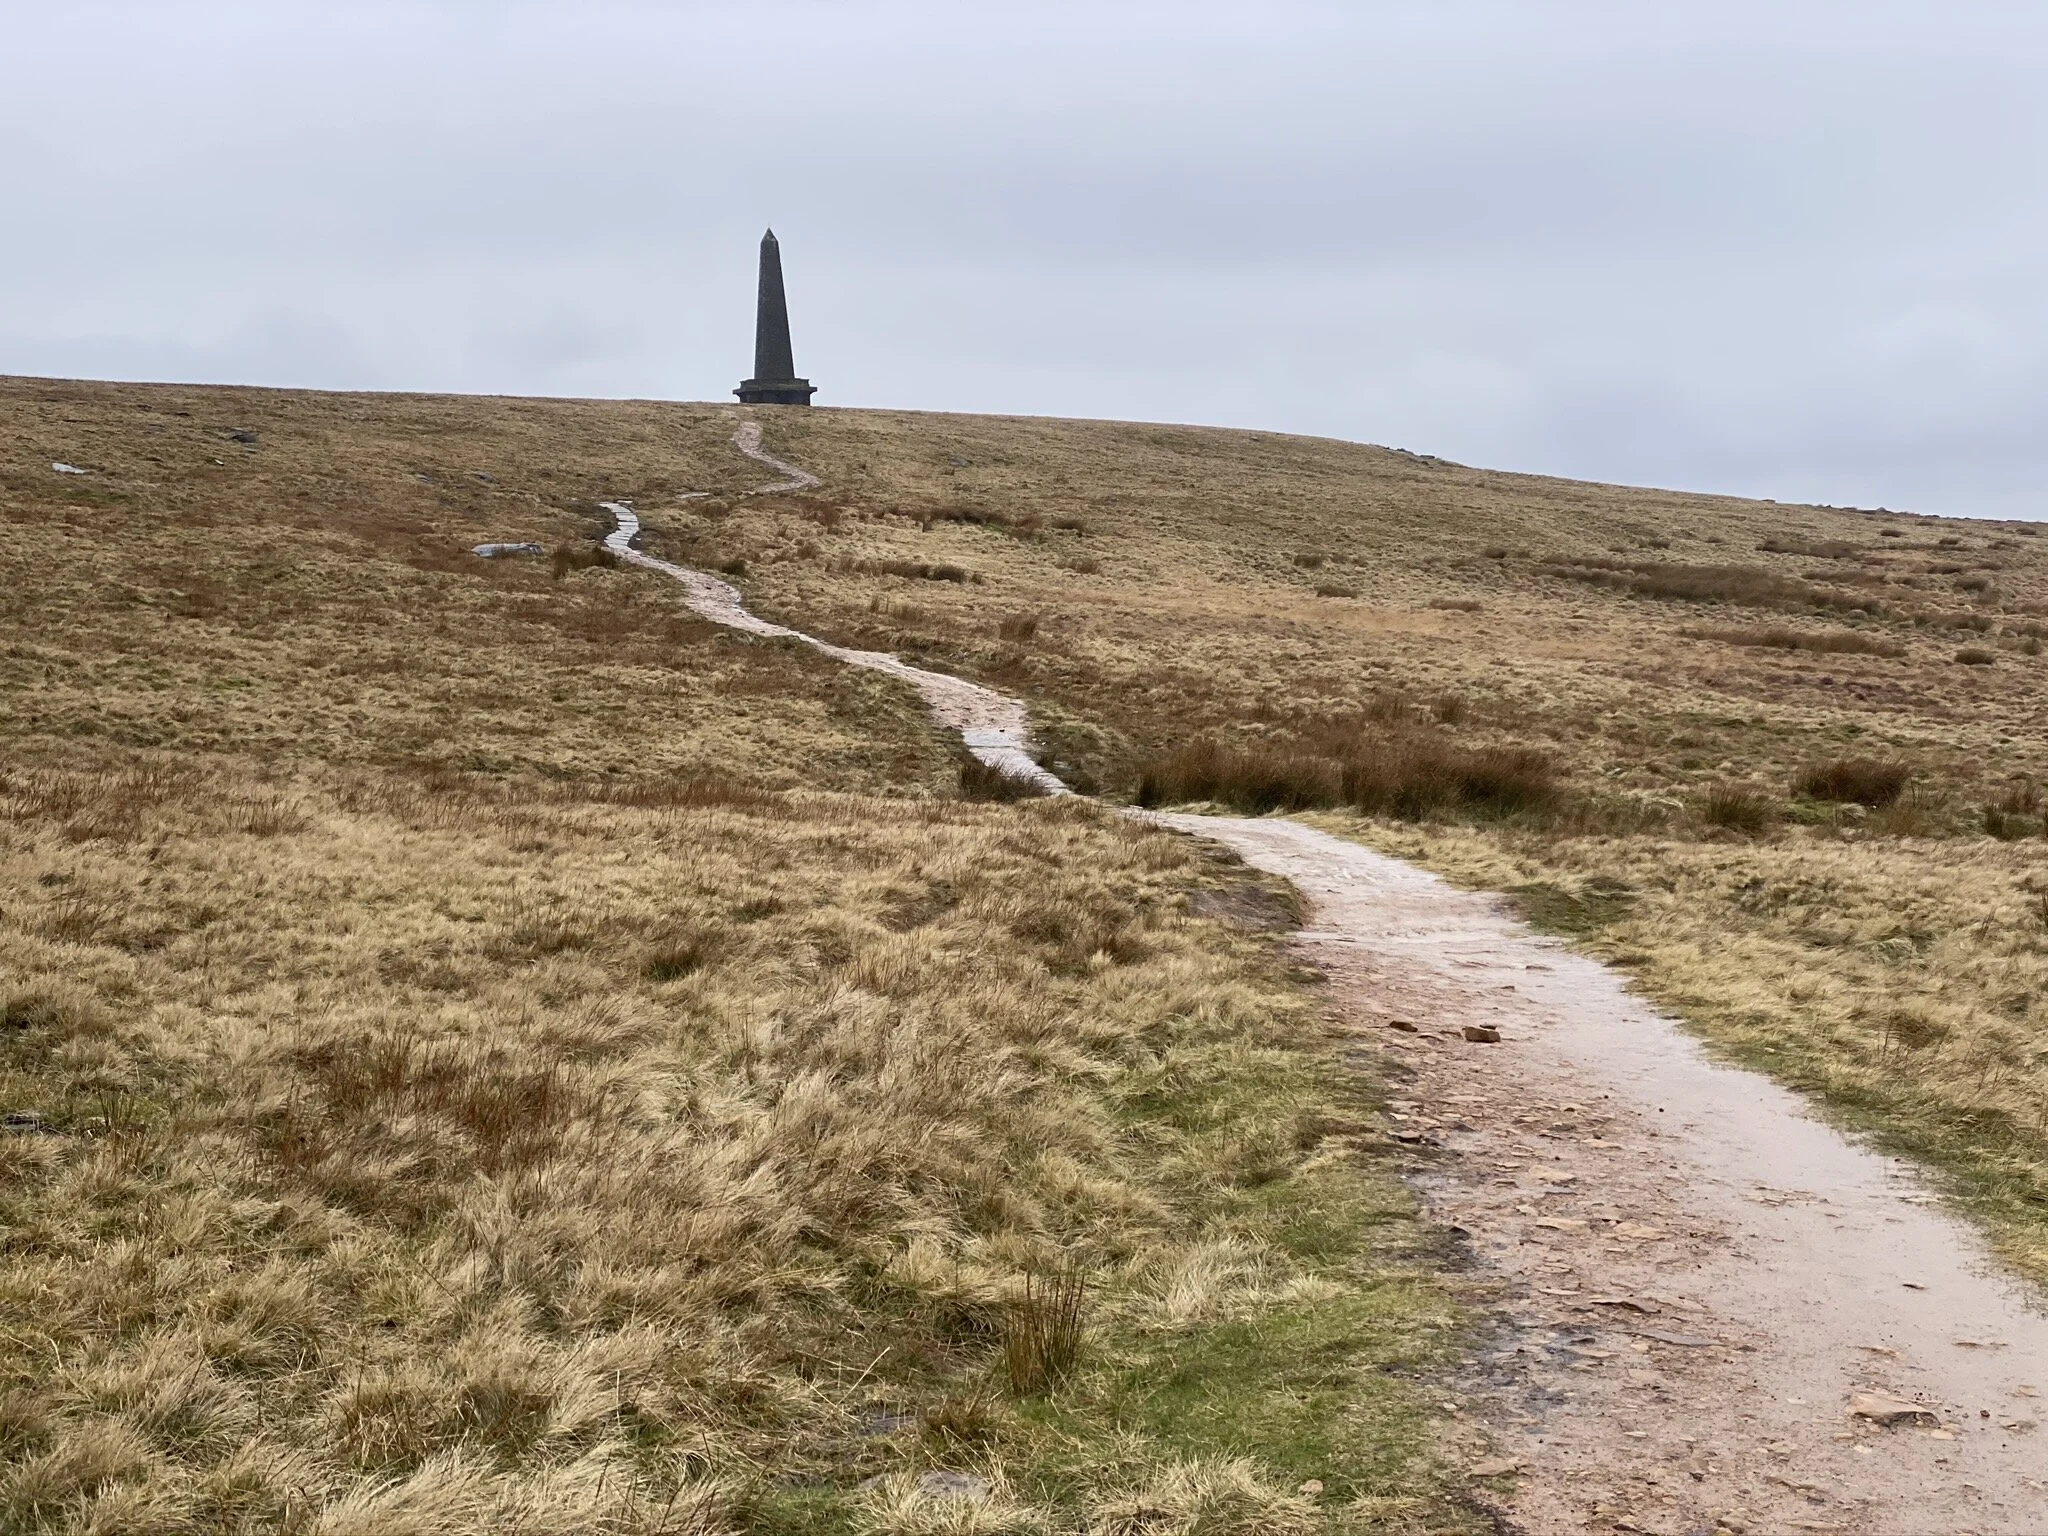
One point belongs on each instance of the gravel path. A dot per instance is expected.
(1714, 1313)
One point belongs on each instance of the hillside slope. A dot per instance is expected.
(484, 1050)
(1785, 762)
(1780, 761)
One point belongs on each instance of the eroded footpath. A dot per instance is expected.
(1715, 1313)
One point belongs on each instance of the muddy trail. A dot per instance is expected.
(1712, 1312)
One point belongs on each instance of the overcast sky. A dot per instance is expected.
(1791, 249)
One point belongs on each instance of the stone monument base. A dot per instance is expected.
(776, 392)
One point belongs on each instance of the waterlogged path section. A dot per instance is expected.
(993, 725)
(1715, 1313)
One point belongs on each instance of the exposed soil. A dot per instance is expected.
(1696, 1283)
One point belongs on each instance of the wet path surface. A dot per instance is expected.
(1698, 1285)
(1698, 1282)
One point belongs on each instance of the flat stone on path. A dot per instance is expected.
(1891, 1410)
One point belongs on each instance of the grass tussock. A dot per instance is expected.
(1866, 781)
(568, 558)
(983, 781)
(1817, 549)
(1042, 1329)
(913, 570)
(1739, 808)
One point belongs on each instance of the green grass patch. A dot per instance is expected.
(1551, 908)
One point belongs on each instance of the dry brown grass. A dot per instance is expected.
(491, 1053)
(1192, 623)
(1161, 563)
(1856, 780)
(1832, 642)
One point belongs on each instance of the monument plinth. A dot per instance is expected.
(774, 381)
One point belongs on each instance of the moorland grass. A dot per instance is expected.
(1185, 651)
(487, 1051)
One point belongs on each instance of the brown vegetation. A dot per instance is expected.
(1819, 549)
(1407, 775)
(491, 1052)
(1836, 642)
(489, 740)
(916, 570)
(1864, 781)
(1746, 585)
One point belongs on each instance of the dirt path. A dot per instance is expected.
(1695, 1278)
(992, 725)
(748, 440)
(1696, 1283)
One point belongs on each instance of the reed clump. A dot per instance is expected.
(1042, 1329)
(1866, 781)
(1407, 775)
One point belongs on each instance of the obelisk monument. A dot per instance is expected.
(774, 381)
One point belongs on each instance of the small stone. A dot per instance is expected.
(1403, 1025)
(1311, 1488)
(938, 1484)
(1505, 1466)
(1481, 1034)
(69, 469)
(1889, 1411)
(882, 1420)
